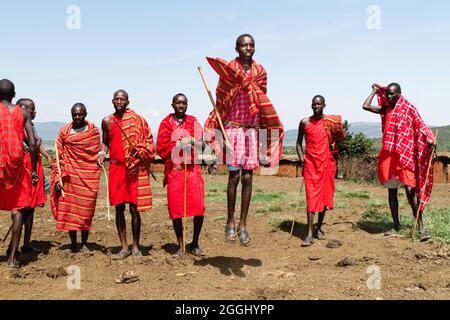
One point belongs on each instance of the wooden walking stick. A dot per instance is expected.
(7, 234)
(219, 119)
(59, 169)
(298, 205)
(107, 192)
(147, 167)
(185, 207)
(418, 214)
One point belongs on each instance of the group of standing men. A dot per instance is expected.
(243, 112)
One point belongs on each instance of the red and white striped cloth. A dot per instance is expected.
(407, 135)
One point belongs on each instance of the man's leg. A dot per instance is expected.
(393, 204)
(28, 217)
(84, 239)
(247, 186)
(233, 181)
(319, 233)
(178, 228)
(73, 240)
(136, 229)
(193, 247)
(414, 203)
(121, 226)
(16, 233)
(309, 240)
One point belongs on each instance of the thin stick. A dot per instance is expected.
(59, 169)
(7, 234)
(185, 207)
(147, 167)
(418, 214)
(227, 140)
(298, 205)
(107, 192)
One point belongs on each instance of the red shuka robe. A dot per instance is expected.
(319, 167)
(128, 176)
(23, 195)
(389, 166)
(78, 153)
(174, 175)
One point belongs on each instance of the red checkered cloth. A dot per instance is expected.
(233, 80)
(11, 148)
(407, 135)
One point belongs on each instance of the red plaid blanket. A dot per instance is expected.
(11, 148)
(233, 79)
(406, 135)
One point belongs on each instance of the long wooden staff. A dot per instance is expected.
(227, 140)
(147, 167)
(107, 192)
(59, 169)
(185, 207)
(413, 232)
(298, 205)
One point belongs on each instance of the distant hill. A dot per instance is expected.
(48, 130)
(370, 129)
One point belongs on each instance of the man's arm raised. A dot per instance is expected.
(367, 104)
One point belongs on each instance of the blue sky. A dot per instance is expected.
(152, 50)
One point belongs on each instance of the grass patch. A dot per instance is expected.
(362, 194)
(266, 197)
(342, 206)
(437, 222)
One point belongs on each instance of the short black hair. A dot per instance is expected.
(7, 89)
(242, 36)
(178, 95)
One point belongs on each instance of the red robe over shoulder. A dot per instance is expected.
(78, 154)
(174, 176)
(21, 194)
(319, 167)
(128, 175)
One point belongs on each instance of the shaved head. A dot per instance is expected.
(79, 105)
(25, 102)
(7, 90)
(319, 97)
(396, 87)
(122, 92)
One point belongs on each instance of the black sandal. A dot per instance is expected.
(244, 237)
(230, 234)
(309, 241)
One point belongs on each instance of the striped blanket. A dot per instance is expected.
(407, 135)
(78, 153)
(233, 79)
(136, 130)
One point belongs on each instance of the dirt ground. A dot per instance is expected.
(274, 266)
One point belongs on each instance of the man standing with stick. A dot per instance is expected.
(180, 136)
(321, 133)
(17, 171)
(405, 154)
(76, 177)
(243, 105)
(129, 140)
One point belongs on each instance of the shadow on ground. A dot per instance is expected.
(229, 265)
